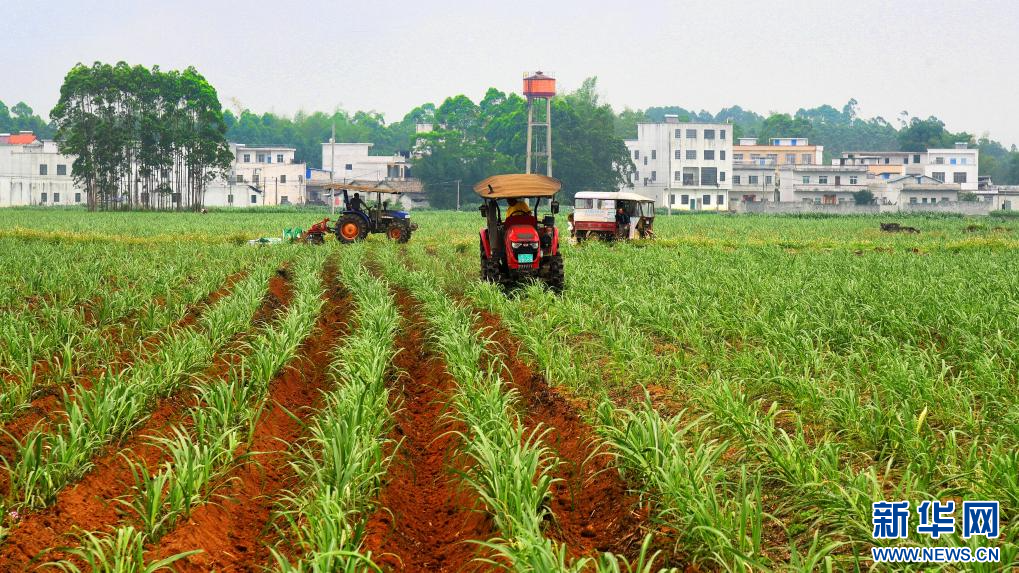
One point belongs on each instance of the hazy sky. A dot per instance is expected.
(958, 60)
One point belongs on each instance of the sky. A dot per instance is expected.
(953, 59)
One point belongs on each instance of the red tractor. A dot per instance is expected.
(520, 247)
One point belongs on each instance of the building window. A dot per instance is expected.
(721, 154)
(721, 175)
(691, 154)
(247, 158)
(790, 158)
(636, 155)
(962, 161)
(709, 134)
(240, 178)
(912, 200)
(709, 155)
(230, 199)
(735, 179)
(767, 179)
(283, 178)
(853, 180)
(691, 134)
(349, 167)
(279, 158)
(56, 197)
(677, 176)
(44, 169)
(939, 160)
(77, 197)
(679, 154)
(654, 154)
(905, 160)
(254, 178)
(709, 176)
(654, 175)
(268, 158)
(887, 159)
(679, 133)
(705, 199)
(721, 134)
(636, 175)
(959, 177)
(939, 175)
(61, 170)
(753, 179)
(737, 157)
(260, 158)
(284, 200)
(721, 200)
(684, 200)
(254, 200)
(672, 197)
(806, 179)
(952, 161)
(806, 159)
(43, 198)
(645, 160)
(689, 176)
(822, 180)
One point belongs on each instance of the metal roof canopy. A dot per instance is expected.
(517, 186)
(617, 195)
(364, 188)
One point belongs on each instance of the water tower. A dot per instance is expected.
(539, 90)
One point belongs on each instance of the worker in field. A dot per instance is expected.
(622, 223)
(517, 207)
(356, 203)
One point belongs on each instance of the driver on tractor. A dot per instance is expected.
(517, 207)
(356, 203)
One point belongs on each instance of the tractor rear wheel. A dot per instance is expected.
(399, 233)
(350, 229)
(552, 272)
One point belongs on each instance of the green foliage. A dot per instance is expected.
(863, 197)
(140, 137)
(24, 119)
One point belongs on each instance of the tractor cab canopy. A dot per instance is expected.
(517, 186)
(599, 205)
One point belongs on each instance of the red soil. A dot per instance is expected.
(594, 511)
(47, 406)
(277, 298)
(424, 521)
(231, 533)
(90, 505)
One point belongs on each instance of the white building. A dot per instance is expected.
(957, 165)
(260, 175)
(33, 172)
(918, 190)
(685, 166)
(821, 184)
(350, 161)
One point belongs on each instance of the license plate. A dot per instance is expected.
(525, 258)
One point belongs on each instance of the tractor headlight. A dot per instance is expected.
(516, 245)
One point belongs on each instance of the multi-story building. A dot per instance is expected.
(755, 175)
(956, 165)
(917, 190)
(34, 172)
(260, 175)
(350, 161)
(821, 184)
(684, 166)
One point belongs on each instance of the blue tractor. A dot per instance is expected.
(359, 219)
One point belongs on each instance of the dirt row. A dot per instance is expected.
(236, 533)
(47, 406)
(425, 520)
(90, 504)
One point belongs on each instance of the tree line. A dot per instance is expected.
(21, 117)
(141, 138)
(470, 139)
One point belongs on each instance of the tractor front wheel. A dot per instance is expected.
(350, 229)
(399, 233)
(552, 272)
(490, 270)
